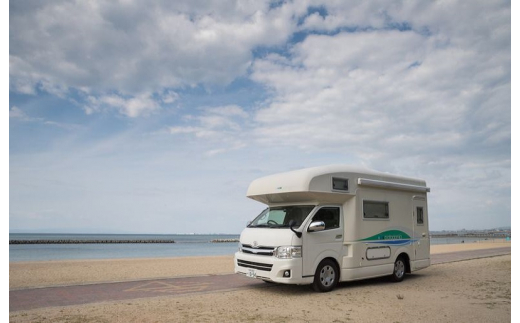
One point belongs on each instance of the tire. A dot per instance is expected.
(326, 276)
(399, 269)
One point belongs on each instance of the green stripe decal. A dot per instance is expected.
(388, 235)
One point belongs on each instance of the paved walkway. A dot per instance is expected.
(26, 299)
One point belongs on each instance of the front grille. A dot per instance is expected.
(254, 265)
(261, 251)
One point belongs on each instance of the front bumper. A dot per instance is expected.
(270, 268)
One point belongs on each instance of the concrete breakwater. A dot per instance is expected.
(68, 241)
(224, 240)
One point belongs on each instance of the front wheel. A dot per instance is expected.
(326, 276)
(399, 270)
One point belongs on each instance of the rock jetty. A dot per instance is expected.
(68, 241)
(224, 240)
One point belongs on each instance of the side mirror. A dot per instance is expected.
(316, 226)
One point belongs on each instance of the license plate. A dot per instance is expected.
(251, 273)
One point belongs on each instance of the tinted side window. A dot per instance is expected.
(375, 210)
(420, 215)
(329, 215)
(340, 184)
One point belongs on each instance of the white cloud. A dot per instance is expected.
(20, 115)
(416, 88)
(221, 126)
(383, 90)
(429, 100)
(134, 48)
(140, 105)
(16, 112)
(169, 97)
(236, 146)
(426, 89)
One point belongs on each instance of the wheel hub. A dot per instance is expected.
(399, 269)
(327, 276)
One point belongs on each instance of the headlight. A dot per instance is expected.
(239, 247)
(288, 252)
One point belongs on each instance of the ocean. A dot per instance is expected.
(185, 245)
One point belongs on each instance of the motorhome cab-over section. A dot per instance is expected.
(336, 223)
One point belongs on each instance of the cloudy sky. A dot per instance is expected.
(154, 117)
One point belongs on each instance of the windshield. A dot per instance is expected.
(280, 216)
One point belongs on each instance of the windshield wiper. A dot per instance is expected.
(263, 225)
(268, 225)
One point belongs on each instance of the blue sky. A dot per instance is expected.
(127, 116)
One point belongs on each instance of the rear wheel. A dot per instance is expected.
(326, 276)
(399, 269)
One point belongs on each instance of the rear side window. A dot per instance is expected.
(420, 215)
(375, 210)
(329, 215)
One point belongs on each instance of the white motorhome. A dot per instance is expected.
(336, 223)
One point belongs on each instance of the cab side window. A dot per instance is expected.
(329, 215)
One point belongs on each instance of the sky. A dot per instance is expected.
(154, 117)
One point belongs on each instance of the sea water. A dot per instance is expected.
(185, 245)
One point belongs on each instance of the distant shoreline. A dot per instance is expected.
(75, 241)
(68, 241)
(469, 235)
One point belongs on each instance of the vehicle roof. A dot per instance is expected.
(319, 179)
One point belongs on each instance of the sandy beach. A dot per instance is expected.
(59, 273)
(468, 291)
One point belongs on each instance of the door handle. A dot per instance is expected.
(424, 234)
(339, 236)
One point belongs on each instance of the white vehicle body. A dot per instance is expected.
(353, 224)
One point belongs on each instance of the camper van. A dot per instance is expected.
(336, 223)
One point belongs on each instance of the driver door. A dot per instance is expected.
(330, 240)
